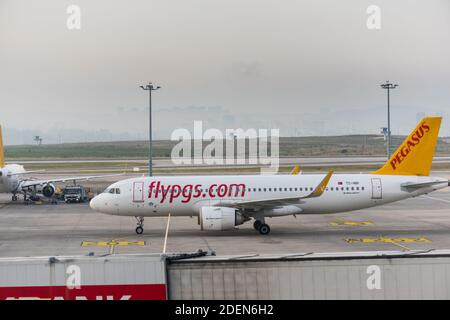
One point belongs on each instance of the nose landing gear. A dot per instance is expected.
(140, 227)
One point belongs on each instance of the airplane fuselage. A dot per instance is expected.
(184, 196)
(10, 176)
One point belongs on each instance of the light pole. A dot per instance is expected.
(150, 87)
(388, 86)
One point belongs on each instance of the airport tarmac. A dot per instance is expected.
(421, 223)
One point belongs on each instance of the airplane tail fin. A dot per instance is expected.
(2, 154)
(415, 154)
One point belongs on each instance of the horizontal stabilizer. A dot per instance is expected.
(411, 185)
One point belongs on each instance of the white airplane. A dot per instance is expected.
(223, 202)
(13, 179)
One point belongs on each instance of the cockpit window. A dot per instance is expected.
(112, 191)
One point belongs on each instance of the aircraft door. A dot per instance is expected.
(377, 190)
(138, 191)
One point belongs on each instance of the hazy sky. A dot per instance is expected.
(306, 67)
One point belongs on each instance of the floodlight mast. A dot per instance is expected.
(150, 87)
(388, 86)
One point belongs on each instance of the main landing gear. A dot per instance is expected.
(262, 227)
(140, 227)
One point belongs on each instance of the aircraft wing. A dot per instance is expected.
(32, 183)
(24, 173)
(277, 202)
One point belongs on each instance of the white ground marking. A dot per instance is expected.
(433, 198)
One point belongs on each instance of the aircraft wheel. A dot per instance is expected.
(264, 229)
(139, 230)
(14, 198)
(257, 224)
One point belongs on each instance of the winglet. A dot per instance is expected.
(295, 170)
(2, 154)
(318, 191)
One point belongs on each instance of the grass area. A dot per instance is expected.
(335, 146)
(99, 150)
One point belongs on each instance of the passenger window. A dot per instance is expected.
(290, 189)
(362, 188)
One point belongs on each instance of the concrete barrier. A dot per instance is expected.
(377, 275)
(357, 275)
(84, 278)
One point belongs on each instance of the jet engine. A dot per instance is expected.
(48, 190)
(220, 218)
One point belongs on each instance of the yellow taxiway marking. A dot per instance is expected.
(351, 223)
(388, 240)
(112, 243)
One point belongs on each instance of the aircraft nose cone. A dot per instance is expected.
(94, 203)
